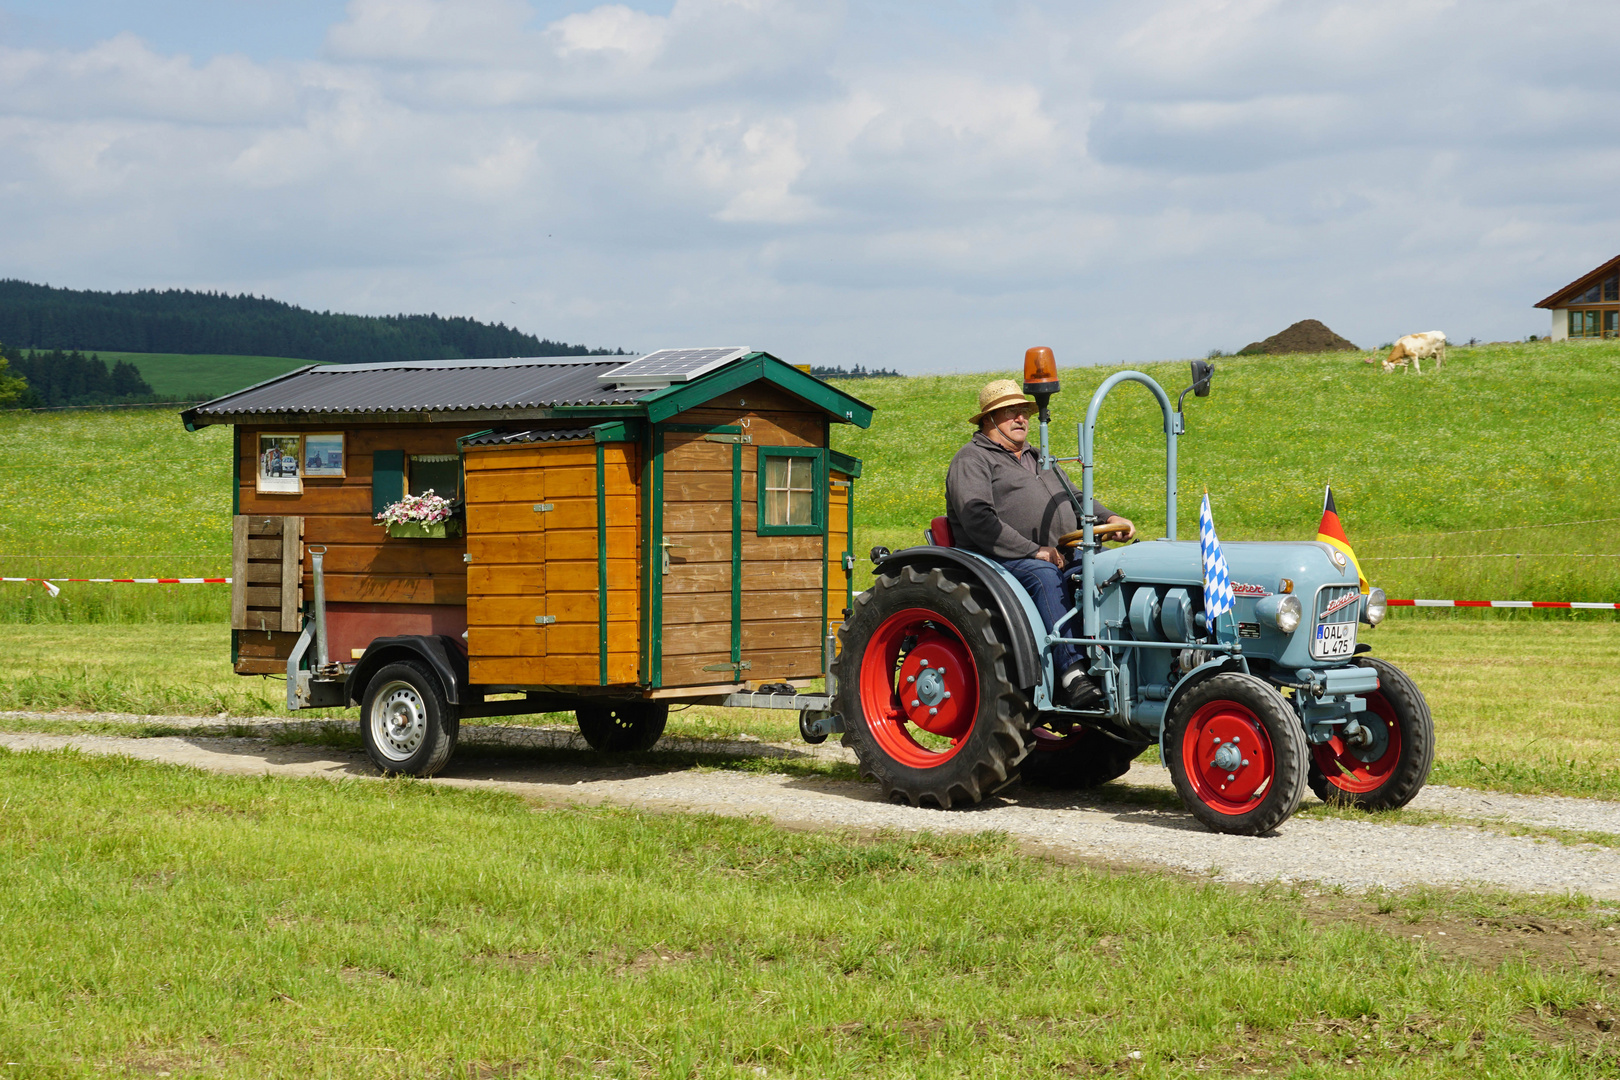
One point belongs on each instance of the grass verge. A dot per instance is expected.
(1519, 707)
(158, 919)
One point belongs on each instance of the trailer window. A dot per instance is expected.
(790, 490)
(439, 473)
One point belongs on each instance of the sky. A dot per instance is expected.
(929, 186)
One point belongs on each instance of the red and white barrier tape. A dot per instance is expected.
(130, 580)
(1504, 604)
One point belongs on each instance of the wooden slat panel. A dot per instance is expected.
(759, 576)
(688, 670)
(504, 610)
(260, 525)
(292, 564)
(483, 518)
(268, 599)
(700, 517)
(258, 573)
(239, 562)
(276, 645)
(386, 589)
(692, 454)
(486, 641)
(776, 635)
(492, 580)
(346, 498)
(523, 671)
(549, 455)
(711, 639)
(795, 604)
(399, 557)
(787, 664)
(702, 578)
(248, 665)
(265, 549)
(707, 487)
(509, 548)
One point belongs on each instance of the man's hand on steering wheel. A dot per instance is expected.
(1130, 528)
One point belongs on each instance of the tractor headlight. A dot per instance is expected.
(1284, 612)
(1374, 608)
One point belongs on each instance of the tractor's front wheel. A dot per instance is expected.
(1389, 762)
(1237, 754)
(925, 693)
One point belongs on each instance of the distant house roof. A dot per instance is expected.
(520, 388)
(1569, 293)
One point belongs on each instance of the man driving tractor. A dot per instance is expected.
(1000, 504)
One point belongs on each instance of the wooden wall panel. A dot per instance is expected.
(527, 563)
(363, 563)
(838, 494)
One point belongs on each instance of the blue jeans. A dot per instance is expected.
(1044, 583)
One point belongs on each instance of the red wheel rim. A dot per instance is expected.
(1227, 756)
(1360, 769)
(942, 711)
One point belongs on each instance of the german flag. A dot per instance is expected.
(1330, 532)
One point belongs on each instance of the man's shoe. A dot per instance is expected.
(1080, 692)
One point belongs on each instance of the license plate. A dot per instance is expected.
(1333, 640)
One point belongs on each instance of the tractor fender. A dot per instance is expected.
(1018, 611)
(442, 654)
(1199, 674)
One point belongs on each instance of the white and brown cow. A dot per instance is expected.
(1417, 348)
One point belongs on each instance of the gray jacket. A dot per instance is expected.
(999, 505)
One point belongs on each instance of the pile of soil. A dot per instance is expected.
(1305, 336)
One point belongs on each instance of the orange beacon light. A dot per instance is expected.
(1040, 372)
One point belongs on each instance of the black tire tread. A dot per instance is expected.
(964, 780)
(1417, 747)
(622, 727)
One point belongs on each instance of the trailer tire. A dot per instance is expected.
(622, 727)
(1394, 769)
(1084, 759)
(950, 750)
(406, 723)
(1262, 784)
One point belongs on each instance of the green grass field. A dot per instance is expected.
(159, 921)
(1450, 484)
(189, 378)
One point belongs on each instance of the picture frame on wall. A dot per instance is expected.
(280, 468)
(323, 454)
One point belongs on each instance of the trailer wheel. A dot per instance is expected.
(406, 723)
(1391, 768)
(924, 688)
(1079, 759)
(622, 727)
(1237, 754)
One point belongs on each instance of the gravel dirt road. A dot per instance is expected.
(1467, 839)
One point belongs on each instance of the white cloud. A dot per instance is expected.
(845, 185)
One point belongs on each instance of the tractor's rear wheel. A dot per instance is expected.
(1077, 759)
(1237, 754)
(622, 727)
(1389, 766)
(925, 693)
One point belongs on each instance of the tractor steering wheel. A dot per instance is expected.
(1099, 533)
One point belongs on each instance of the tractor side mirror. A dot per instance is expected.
(1202, 372)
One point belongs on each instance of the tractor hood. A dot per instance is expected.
(1257, 571)
(1259, 565)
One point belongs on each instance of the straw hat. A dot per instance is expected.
(998, 395)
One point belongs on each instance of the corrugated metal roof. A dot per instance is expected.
(427, 386)
(507, 438)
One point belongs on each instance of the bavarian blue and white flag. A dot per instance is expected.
(1217, 582)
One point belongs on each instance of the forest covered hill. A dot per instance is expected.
(41, 317)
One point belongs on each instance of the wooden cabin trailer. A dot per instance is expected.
(626, 533)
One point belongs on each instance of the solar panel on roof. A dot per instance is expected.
(666, 366)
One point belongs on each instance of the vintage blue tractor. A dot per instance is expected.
(944, 684)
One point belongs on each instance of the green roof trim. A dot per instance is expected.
(752, 368)
(617, 431)
(849, 466)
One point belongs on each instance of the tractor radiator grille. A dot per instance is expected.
(1337, 594)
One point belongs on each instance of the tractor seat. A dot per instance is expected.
(938, 533)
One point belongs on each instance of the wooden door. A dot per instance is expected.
(696, 558)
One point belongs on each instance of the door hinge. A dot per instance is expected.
(730, 438)
(541, 508)
(740, 665)
(544, 620)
